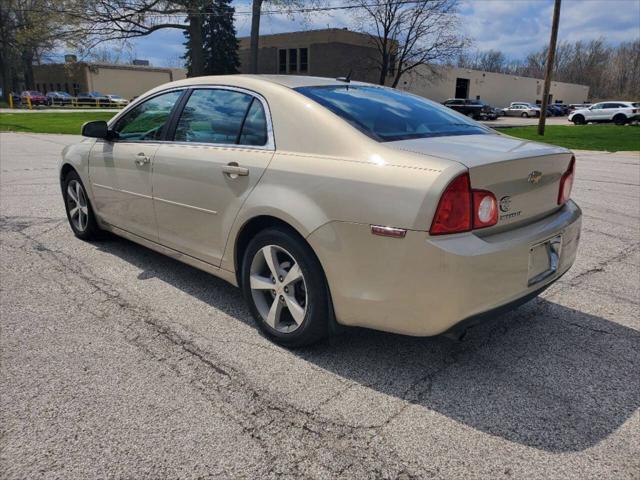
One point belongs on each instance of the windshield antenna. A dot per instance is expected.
(346, 79)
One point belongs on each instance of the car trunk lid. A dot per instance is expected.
(524, 176)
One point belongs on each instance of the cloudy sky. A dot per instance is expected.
(516, 27)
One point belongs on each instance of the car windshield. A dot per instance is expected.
(388, 115)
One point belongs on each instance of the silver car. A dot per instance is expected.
(521, 110)
(329, 202)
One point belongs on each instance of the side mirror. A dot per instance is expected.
(96, 129)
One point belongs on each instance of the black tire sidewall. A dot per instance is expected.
(619, 119)
(92, 231)
(316, 323)
(578, 120)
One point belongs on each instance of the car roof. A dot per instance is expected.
(290, 81)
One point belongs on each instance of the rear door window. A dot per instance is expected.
(213, 116)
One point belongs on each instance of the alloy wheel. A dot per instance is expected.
(77, 205)
(278, 288)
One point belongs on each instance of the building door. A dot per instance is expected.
(462, 88)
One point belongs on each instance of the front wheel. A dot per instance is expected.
(79, 212)
(285, 288)
(578, 120)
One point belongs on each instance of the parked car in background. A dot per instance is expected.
(564, 108)
(59, 98)
(92, 99)
(578, 106)
(117, 100)
(475, 109)
(521, 110)
(618, 112)
(554, 110)
(329, 201)
(35, 97)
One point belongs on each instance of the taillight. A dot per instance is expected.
(453, 214)
(461, 209)
(566, 182)
(485, 209)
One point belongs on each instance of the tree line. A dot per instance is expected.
(403, 34)
(610, 71)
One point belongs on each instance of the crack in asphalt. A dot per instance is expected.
(269, 421)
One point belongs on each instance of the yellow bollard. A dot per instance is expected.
(10, 100)
(29, 102)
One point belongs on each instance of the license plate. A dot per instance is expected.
(544, 259)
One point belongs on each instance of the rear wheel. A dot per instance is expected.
(524, 115)
(284, 286)
(578, 120)
(620, 119)
(79, 212)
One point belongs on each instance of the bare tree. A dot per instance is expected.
(29, 30)
(408, 34)
(122, 20)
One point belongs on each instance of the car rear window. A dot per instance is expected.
(389, 115)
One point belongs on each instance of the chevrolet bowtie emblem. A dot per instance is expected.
(534, 177)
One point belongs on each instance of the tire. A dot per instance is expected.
(578, 120)
(292, 314)
(620, 119)
(524, 115)
(82, 220)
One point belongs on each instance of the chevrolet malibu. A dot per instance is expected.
(329, 202)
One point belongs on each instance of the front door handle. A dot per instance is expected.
(142, 159)
(234, 170)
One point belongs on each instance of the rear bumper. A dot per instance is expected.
(423, 285)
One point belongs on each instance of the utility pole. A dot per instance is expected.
(549, 67)
(255, 35)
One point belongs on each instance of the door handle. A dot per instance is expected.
(233, 170)
(142, 159)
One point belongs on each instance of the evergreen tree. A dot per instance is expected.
(219, 39)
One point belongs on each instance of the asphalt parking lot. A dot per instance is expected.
(117, 362)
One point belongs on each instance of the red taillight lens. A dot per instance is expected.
(461, 209)
(485, 209)
(566, 182)
(453, 214)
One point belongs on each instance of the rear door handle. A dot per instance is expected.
(142, 159)
(234, 170)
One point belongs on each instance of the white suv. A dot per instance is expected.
(612, 111)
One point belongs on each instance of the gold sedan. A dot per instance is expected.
(329, 202)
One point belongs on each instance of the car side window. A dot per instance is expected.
(146, 121)
(254, 130)
(213, 116)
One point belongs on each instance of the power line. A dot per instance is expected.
(284, 11)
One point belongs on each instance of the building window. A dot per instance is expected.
(293, 60)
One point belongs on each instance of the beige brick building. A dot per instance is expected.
(334, 52)
(126, 80)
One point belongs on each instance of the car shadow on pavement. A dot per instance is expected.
(544, 375)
